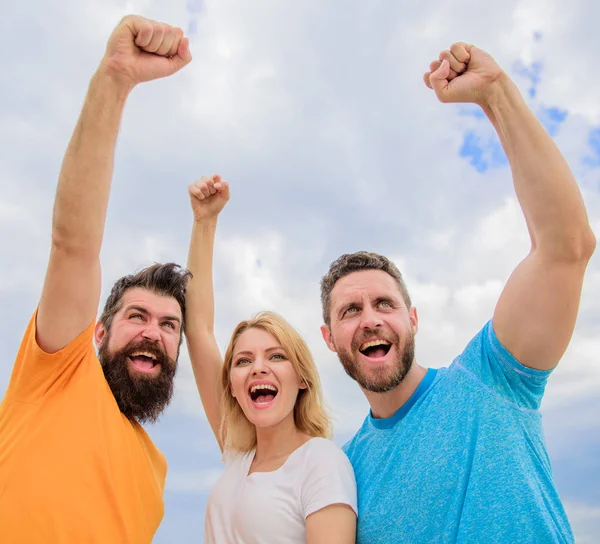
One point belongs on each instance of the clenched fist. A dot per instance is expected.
(464, 73)
(140, 50)
(208, 197)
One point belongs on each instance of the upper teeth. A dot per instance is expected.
(374, 343)
(144, 353)
(263, 386)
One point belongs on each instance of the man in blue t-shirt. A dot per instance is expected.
(458, 454)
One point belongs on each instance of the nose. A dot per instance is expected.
(151, 332)
(370, 319)
(259, 367)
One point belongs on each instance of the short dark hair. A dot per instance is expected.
(163, 279)
(355, 262)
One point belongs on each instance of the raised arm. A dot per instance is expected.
(138, 50)
(536, 313)
(208, 197)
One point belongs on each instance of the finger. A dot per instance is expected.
(452, 75)
(461, 51)
(210, 184)
(184, 56)
(158, 34)
(433, 66)
(439, 80)
(195, 191)
(175, 45)
(455, 64)
(426, 77)
(224, 190)
(142, 29)
(205, 190)
(167, 42)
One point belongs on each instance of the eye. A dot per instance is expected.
(169, 324)
(278, 357)
(136, 316)
(242, 361)
(385, 304)
(351, 310)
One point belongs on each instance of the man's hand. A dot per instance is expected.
(208, 197)
(464, 73)
(140, 50)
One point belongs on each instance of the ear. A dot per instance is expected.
(99, 334)
(303, 385)
(414, 319)
(328, 337)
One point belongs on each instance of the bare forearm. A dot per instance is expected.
(199, 296)
(86, 174)
(202, 346)
(544, 183)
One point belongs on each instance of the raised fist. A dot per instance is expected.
(208, 197)
(140, 50)
(463, 73)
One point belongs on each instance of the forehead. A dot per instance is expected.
(369, 283)
(254, 339)
(150, 301)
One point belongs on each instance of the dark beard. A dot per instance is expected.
(140, 398)
(385, 380)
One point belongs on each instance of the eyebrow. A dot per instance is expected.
(143, 310)
(275, 348)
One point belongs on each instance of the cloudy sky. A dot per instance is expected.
(316, 114)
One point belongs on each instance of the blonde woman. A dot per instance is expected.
(284, 480)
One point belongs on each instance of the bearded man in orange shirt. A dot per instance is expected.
(75, 463)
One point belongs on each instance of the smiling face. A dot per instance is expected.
(139, 352)
(263, 380)
(371, 329)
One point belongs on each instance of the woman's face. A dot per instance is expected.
(263, 380)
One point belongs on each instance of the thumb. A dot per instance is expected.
(439, 80)
(183, 56)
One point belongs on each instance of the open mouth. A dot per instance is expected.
(263, 394)
(143, 361)
(375, 349)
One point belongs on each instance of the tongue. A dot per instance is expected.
(264, 398)
(142, 364)
(377, 352)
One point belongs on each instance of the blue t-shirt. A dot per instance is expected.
(463, 460)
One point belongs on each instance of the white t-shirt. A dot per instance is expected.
(272, 507)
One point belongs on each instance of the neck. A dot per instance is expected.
(384, 405)
(278, 440)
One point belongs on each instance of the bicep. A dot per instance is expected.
(69, 300)
(537, 310)
(334, 524)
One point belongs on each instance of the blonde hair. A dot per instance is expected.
(310, 417)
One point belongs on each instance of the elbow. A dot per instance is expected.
(585, 245)
(574, 248)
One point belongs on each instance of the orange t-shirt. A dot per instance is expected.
(73, 468)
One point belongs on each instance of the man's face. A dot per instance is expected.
(139, 353)
(371, 329)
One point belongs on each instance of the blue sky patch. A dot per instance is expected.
(483, 154)
(533, 73)
(594, 143)
(552, 118)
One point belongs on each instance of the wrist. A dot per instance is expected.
(501, 93)
(206, 223)
(109, 80)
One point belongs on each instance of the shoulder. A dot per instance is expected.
(324, 458)
(319, 448)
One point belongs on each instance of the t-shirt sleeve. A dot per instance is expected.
(329, 480)
(36, 372)
(489, 362)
